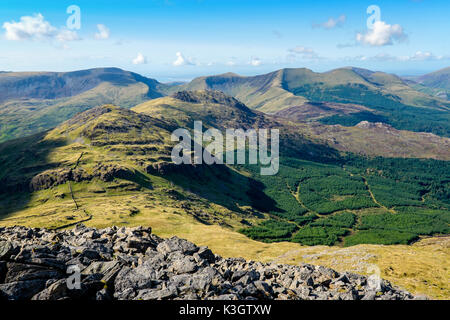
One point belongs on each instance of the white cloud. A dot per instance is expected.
(103, 32)
(182, 61)
(29, 27)
(418, 56)
(302, 50)
(140, 59)
(67, 35)
(304, 53)
(332, 22)
(384, 57)
(232, 61)
(256, 62)
(382, 34)
(37, 28)
(424, 55)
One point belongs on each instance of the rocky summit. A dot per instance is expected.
(134, 264)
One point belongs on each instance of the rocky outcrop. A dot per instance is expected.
(167, 168)
(54, 177)
(133, 264)
(374, 125)
(208, 97)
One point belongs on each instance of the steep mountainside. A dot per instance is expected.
(33, 102)
(112, 166)
(336, 97)
(36, 101)
(436, 83)
(53, 85)
(379, 139)
(108, 154)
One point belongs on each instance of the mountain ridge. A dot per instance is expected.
(30, 104)
(33, 102)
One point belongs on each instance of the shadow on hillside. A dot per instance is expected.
(21, 160)
(226, 187)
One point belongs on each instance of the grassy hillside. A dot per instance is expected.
(318, 197)
(378, 139)
(33, 102)
(343, 96)
(439, 79)
(435, 83)
(111, 166)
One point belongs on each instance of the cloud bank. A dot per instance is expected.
(382, 34)
(36, 28)
(332, 23)
(182, 60)
(140, 59)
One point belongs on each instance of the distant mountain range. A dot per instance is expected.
(34, 101)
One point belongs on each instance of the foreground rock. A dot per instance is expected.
(131, 263)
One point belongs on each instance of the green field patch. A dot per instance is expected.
(343, 220)
(419, 224)
(392, 193)
(329, 193)
(312, 236)
(271, 231)
(379, 237)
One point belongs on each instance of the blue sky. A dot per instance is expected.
(173, 40)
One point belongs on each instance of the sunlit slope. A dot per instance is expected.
(33, 102)
(319, 195)
(436, 83)
(362, 93)
(378, 139)
(260, 91)
(421, 268)
(220, 111)
(86, 167)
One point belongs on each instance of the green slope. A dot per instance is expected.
(436, 83)
(33, 102)
(439, 79)
(348, 94)
(111, 165)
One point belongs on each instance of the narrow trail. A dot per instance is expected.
(278, 218)
(83, 215)
(78, 160)
(72, 196)
(296, 195)
(70, 185)
(373, 197)
(88, 217)
(77, 206)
